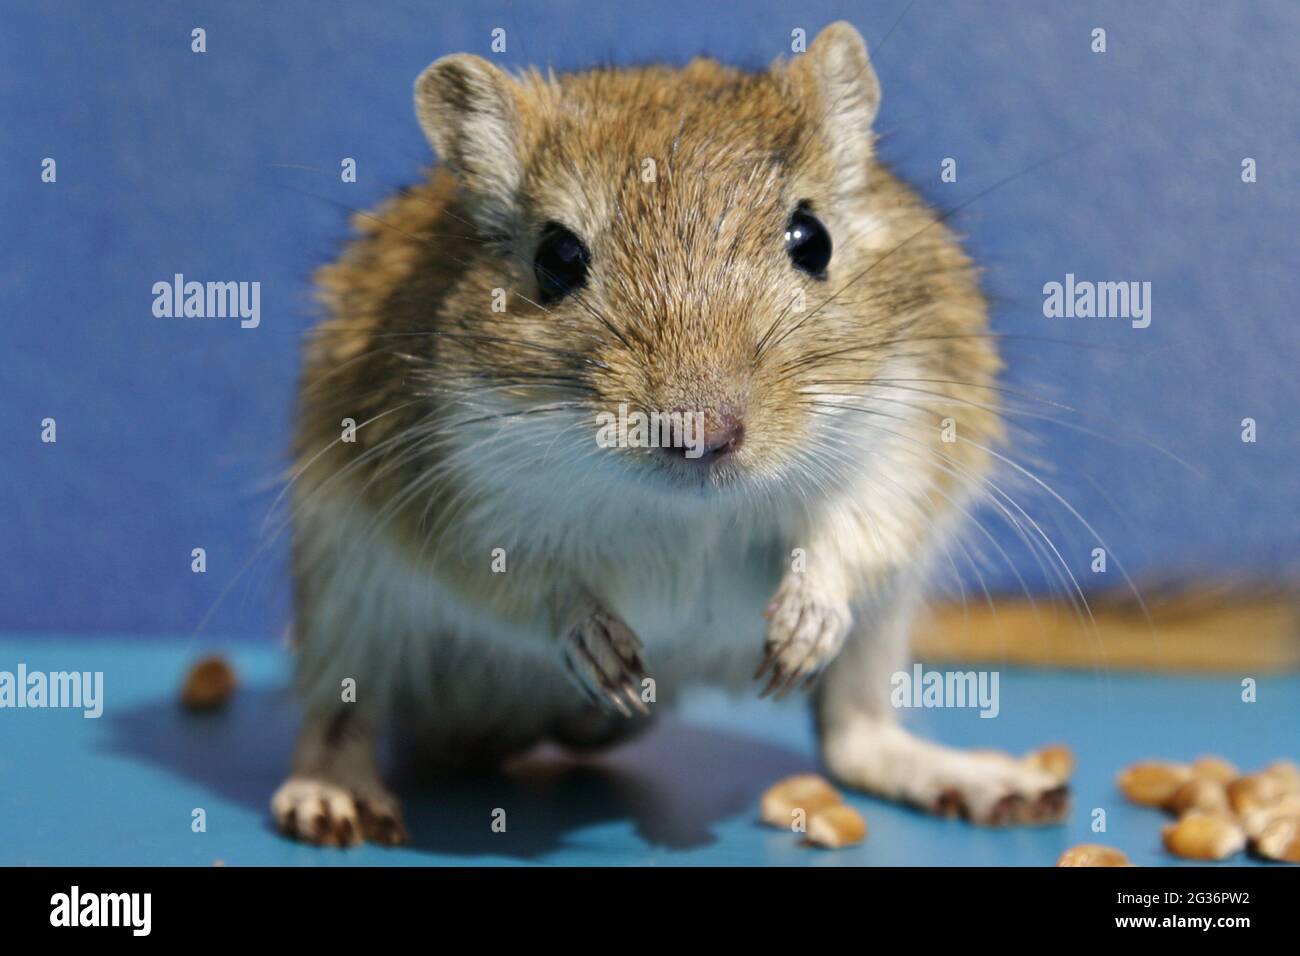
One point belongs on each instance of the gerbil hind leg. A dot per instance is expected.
(864, 747)
(334, 795)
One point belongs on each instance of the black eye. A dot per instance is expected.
(561, 262)
(808, 243)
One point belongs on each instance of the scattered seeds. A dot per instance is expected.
(836, 826)
(1092, 854)
(1055, 760)
(1279, 840)
(1255, 791)
(1200, 793)
(1286, 773)
(1215, 768)
(1153, 783)
(1204, 836)
(209, 685)
(1255, 820)
(807, 792)
(1219, 809)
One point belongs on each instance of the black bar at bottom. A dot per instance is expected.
(224, 905)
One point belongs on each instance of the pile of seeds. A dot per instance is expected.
(1220, 810)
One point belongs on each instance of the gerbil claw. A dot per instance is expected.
(604, 659)
(775, 687)
(783, 682)
(633, 698)
(617, 702)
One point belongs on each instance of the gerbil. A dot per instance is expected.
(702, 240)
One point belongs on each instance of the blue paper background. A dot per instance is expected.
(225, 166)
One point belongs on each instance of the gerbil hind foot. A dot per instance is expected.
(986, 788)
(326, 814)
(334, 796)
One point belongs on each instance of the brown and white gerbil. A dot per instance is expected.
(491, 576)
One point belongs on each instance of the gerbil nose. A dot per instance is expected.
(722, 436)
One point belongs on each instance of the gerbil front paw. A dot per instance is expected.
(806, 629)
(604, 657)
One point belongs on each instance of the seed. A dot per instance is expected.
(1256, 791)
(1279, 840)
(1200, 793)
(1215, 768)
(836, 826)
(1204, 836)
(807, 792)
(1092, 854)
(1255, 820)
(1285, 772)
(1152, 783)
(209, 685)
(1055, 760)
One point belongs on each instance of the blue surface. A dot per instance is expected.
(224, 166)
(121, 789)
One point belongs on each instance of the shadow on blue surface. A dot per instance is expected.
(654, 783)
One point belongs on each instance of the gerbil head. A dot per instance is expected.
(696, 241)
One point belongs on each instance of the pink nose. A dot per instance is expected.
(722, 436)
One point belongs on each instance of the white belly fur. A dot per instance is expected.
(389, 624)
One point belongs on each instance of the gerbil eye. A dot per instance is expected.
(808, 243)
(560, 263)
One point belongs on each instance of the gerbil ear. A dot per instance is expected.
(838, 68)
(468, 109)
